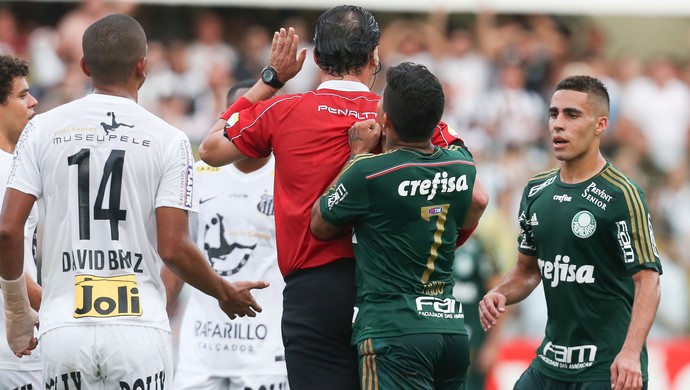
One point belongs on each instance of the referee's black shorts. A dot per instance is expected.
(318, 305)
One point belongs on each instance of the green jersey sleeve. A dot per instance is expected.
(347, 199)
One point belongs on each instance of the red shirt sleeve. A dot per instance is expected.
(444, 135)
(251, 129)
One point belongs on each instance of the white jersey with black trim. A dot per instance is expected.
(102, 165)
(235, 229)
(8, 360)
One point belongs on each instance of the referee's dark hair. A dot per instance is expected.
(344, 39)
(597, 94)
(112, 48)
(10, 68)
(244, 84)
(413, 100)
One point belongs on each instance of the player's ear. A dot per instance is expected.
(602, 125)
(141, 67)
(84, 67)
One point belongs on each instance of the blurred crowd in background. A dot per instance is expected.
(498, 72)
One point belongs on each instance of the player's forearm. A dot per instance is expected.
(645, 305)
(521, 280)
(173, 285)
(35, 293)
(187, 262)
(11, 253)
(480, 200)
(260, 92)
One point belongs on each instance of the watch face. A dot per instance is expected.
(267, 75)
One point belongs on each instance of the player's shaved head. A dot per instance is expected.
(597, 94)
(112, 47)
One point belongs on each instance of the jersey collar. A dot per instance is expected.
(344, 85)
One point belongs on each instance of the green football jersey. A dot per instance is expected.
(589, 238)
(406, 208)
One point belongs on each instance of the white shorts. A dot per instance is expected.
(192, 380)
(21, 380)
(106, 357)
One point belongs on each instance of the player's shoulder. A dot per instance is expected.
(619, 182)
(543, 176)
(540, 181)
(457, 151)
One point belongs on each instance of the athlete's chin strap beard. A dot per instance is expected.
(376, 71)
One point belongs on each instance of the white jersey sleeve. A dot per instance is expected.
(8, 361)
(24, 175)
(177, 184)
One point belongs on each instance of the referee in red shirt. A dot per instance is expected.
(308, 136)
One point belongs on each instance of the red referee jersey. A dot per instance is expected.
(308, 136)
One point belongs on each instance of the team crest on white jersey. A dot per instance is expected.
(583, 224)
(265, 205)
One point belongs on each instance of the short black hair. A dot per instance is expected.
(413, 100)
(112, 47)
(597, 94)
(344, 39)
(246, 83)
(10, 68)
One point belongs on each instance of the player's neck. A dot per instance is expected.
(117, 90)
(364, 77)
(581, 169)
(424, 146)
(6, 143)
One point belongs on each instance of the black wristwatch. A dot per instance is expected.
(270, 77)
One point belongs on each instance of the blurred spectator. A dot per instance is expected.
(208, 47)
(10, 43)
(72, 25)
(510, 113)
(254, 51)
(655, 110)
(463, 70)
(308, 78)
(48, 68)
(181, 92)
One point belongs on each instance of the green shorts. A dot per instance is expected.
(535, 380)
(414, 362)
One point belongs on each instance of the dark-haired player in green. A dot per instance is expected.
(408, 207)
(585, 232)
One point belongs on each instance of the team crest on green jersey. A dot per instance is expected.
(583, 224)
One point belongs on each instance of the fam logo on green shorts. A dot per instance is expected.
(583, 224)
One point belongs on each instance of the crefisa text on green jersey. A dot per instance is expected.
(430, 187)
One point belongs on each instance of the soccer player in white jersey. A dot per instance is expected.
(117, 185)
(16, 109)
(235, 229)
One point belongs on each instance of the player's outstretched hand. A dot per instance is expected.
(626, 372)
(239, 301)
(490, 309)
(363, 136)
(20, 331)
(284, 57)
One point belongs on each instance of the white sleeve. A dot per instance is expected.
(24, 174)
(176, 188)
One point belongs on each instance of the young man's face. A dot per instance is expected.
(16, 112)
(574, 125)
